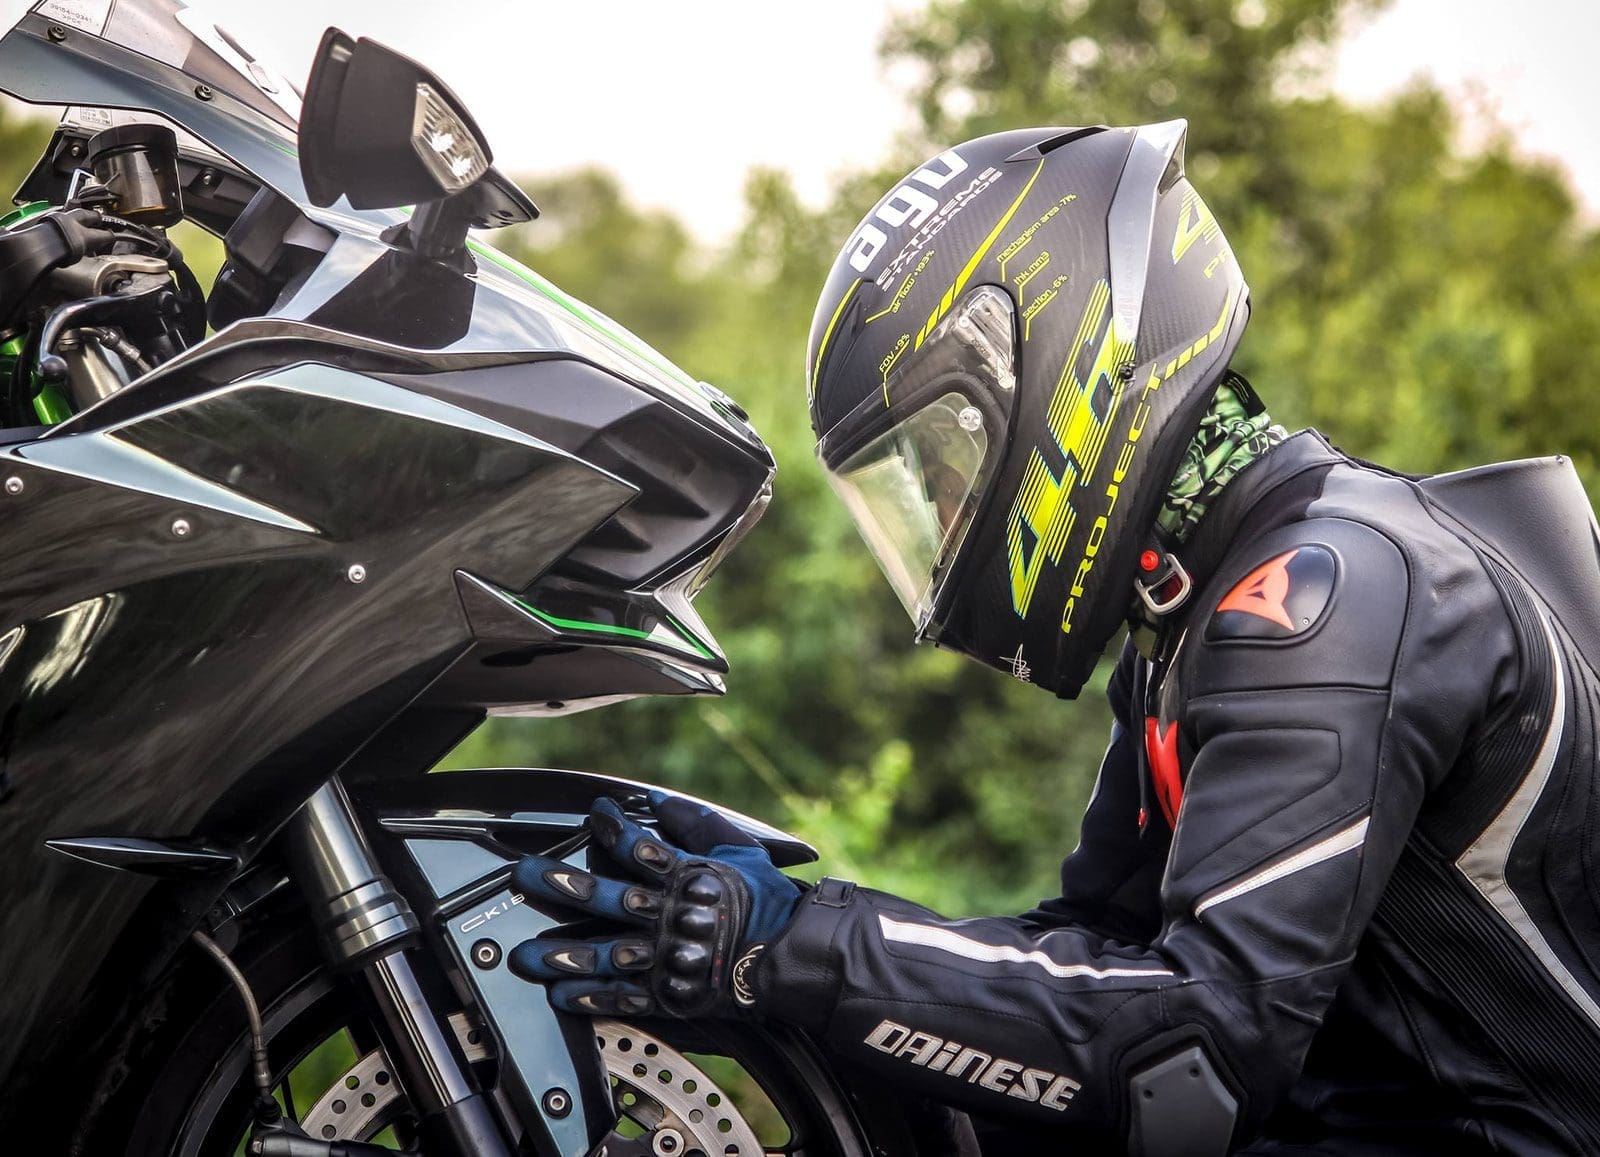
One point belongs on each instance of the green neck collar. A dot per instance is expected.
(1234, 432)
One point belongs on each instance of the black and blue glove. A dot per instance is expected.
(703, 900)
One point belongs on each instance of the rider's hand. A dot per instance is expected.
(709, 901)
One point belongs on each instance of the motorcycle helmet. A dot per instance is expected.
(1008, 359)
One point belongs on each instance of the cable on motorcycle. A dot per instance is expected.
(267, 1109)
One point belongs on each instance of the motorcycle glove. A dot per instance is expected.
(703, 901)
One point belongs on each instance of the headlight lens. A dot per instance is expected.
(444, 144)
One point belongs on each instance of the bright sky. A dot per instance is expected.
(681, 99)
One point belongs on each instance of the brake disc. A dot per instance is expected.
(682, 1111)
(359, 1104)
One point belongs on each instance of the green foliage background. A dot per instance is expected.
(1425, 307)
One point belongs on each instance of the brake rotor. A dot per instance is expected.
(682, 1111)
(365, 1099)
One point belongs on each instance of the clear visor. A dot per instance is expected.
(913, 489)
(909, 493)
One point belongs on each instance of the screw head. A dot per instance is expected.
(970, 418)
(204, 91)
(557, 1103)
(56, 33)
(357, 573)
(14, 485)
(181, 527)
(486, 953)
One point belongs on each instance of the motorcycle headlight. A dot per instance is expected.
(443, 143)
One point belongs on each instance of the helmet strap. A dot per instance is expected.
(1163, 583)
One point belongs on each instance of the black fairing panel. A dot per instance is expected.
(185, 652)
(691, 476)
(184, 647)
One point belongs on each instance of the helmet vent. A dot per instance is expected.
(1051, 144)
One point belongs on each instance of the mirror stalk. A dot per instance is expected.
(438, 229)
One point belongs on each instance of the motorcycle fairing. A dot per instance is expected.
(527, 493)
(454, 838)
(159, 683)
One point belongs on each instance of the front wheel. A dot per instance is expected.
(715, 1090)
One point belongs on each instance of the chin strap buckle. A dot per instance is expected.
(1163, 583)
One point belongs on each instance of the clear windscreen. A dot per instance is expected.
(186, 39)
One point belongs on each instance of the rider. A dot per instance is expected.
(1337, 889)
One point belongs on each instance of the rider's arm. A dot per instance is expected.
(1110, 881)
(1311, 757)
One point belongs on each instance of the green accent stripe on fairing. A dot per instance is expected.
(576, 309)
(602, 628)
(690, 636)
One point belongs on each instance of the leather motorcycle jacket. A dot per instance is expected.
(1337, 889)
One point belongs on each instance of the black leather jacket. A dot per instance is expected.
(1337, 890)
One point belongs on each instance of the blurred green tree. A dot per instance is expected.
(23, 137)
(1427, 308)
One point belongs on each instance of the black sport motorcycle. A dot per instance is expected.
(257, 580)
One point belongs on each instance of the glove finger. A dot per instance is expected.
(546, 879)
(556, 959)
(601, 998)
(695, 827)
(631, 844)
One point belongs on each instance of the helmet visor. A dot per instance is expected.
(910, 490)
(914, 484)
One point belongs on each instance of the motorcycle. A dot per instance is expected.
(270, 554)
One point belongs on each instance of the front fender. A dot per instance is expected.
(451, 839)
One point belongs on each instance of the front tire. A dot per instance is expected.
(189, 1093)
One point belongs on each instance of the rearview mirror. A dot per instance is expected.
(379, 129)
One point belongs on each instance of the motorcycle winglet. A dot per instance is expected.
(160, 858)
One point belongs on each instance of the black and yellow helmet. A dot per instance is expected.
(1007, 361)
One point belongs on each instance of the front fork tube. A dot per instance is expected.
(366, 927)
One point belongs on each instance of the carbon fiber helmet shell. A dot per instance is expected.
(1128, 304)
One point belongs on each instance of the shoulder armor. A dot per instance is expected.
(1283, 598)
(1318, 603)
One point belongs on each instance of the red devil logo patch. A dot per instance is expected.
(1282, 598)
(1262, 592)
